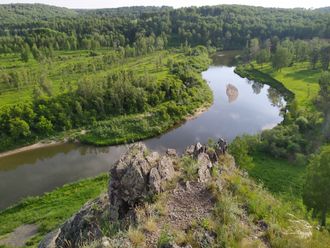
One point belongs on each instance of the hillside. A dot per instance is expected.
(30, 13)
(199, 199)
(323, 10)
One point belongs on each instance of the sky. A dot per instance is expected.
(175, 3)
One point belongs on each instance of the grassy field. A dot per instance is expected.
(65, 71)
(278, 175)
(300, 79)
(52, 209)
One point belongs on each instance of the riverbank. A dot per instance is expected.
(251, 73)
(133, 128)
(38, 145)
(65, 139)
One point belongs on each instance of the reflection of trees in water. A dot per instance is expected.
(33, 156)
(257, 87)
(232, 93)
(250, 82)
(275, 97)
(85, 150)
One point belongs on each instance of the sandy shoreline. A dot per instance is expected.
(198, 112)
(30, 147)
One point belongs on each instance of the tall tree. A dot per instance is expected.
(263, 56)
(325, 57)
(25, 53)
(316, 191)
(281, 58)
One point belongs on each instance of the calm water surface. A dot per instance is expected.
(240, 106)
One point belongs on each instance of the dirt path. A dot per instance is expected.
(20, 236)
(185, 205)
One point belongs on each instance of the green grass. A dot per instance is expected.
(57, 71)
(278, 175)
(52, 209)
(300, 79)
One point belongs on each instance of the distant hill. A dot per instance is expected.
(323, 10)
(29, 13)
(20, 13)
(124, 11)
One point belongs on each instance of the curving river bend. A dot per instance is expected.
(240, 106)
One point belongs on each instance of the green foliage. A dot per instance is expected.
(164, 239)
(281, 58)
(263, 56)
(222, 26)
(278, 175)
(239, 148)
(25, 53)
(135, 103)
(316, 191)
(325, 57)
(189, 167)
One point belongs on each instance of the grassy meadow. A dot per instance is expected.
(68, 67)
(298, 78)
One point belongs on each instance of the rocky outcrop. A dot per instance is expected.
(139, 175)
(204, 166)
(218, 149)
(136, 176)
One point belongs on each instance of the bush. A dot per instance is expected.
(239, 148)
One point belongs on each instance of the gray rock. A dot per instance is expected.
(105, 242)
(49, 239)
(84, 226)
(198, 149)
(153, 158)
(171, 152)
(155, 181)
(165, 168)
(137, 175)
(204, 164)
(190, 150)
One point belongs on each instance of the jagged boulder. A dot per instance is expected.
(204, 166)
(136, 176)
(220, 148)
(81, 228)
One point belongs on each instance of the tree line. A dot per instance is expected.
(223, 27)
(284, 53)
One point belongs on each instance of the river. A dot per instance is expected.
(240, 106)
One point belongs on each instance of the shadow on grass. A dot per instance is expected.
(306, 75)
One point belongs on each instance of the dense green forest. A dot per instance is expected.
(223, 26)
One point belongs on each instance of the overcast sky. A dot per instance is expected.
(174, 3)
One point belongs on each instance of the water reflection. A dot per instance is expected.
(27, 174)
(257, 87)
(232, 93)
(275, 98)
